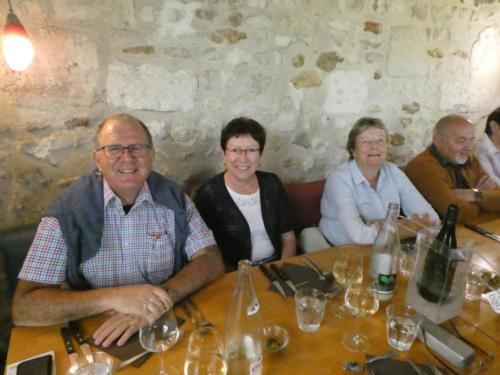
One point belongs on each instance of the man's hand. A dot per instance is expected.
(466, 195)
(140, 300)
(485, 183)
(117, 326)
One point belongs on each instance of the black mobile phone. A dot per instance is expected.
(36, 366)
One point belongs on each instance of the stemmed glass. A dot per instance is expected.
(347, 269)
(205, 353)
(361, 299)
(159, 335)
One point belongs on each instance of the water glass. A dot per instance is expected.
(310, 308)
(475, 283)
(402, 326)
(102, 365)
(407, 258)
(205, 353)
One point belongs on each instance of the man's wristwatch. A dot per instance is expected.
(477, 194)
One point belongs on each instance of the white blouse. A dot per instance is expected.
(249, 205)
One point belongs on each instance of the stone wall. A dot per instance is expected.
(306, 69)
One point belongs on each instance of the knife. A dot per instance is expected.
(129, 361)
(284, 277)
(84, 346)
(483, 231)
(72, 355)
(273, 280)
(313, 263)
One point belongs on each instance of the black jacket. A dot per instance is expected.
(228, 224)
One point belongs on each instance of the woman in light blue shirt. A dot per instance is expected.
(357, 193)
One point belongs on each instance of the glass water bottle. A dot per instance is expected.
(243, 330)
(385, 252)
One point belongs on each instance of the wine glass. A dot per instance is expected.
(361, 299)
(159, 335)
(205, 353)
(347, 269)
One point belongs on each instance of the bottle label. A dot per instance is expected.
(256, 366)
(386, 283)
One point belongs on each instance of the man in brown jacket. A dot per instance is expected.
(447, 172)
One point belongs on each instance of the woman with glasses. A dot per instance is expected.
(246, 209)
(357, 193)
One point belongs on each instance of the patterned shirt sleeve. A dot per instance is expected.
(199, 235)
(47, 258)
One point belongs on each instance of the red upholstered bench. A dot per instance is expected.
(304, 201)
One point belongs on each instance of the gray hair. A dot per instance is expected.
(359, 127)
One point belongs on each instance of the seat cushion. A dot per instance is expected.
(304, 201)
(14, 245)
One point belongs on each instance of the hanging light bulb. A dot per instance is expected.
(16, 44)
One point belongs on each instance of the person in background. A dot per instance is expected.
(488, 147)
(246, 209)
(122, 240)
(357, 193)
(448, 173)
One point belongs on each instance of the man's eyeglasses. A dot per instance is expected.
(136, 150)
(250, 152)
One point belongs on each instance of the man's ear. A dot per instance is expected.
(95, 156)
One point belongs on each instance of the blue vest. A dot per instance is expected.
(80, 212)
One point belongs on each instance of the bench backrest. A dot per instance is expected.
(14, 245)
(304, 201)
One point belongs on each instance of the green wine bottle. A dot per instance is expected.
(439, 268)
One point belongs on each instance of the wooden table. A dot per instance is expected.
(314, 353)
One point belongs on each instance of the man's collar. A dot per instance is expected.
(144, 194)
(445, 162)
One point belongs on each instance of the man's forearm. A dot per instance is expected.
(199, 272)
(34, 305)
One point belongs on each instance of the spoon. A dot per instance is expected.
(358, 367)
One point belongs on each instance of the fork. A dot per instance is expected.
(202, 322)
(311, 266)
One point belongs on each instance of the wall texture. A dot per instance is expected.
(306, 69)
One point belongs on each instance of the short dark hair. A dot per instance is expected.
(243, 126)
(359, 127)
(493, 116)
(122, 117)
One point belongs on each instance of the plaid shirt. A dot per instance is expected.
(136, 248)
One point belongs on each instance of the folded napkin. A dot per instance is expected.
(131, 348)
(302, 276)
(392, 366)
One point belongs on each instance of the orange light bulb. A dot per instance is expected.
(17, 48)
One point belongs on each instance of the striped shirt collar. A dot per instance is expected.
(109, 195)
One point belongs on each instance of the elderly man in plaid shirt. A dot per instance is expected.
(122, 240)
